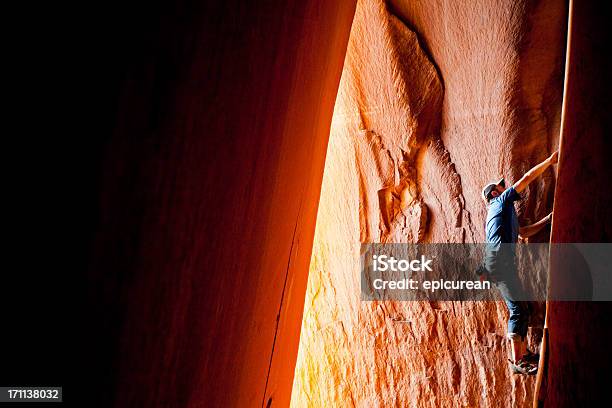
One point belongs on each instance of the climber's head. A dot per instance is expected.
(493, 190)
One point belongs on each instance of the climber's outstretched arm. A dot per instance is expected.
(529, 230)
(535, 172)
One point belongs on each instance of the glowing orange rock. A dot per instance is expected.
(435, 100)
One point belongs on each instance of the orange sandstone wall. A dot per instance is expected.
(436, 98)
(208, 198)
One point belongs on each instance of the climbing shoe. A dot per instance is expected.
(523, 367)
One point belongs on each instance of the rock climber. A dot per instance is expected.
(502, 230)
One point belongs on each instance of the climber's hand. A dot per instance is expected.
(548, 218)
(535, 172)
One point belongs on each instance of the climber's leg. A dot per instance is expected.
(517, 328)
(518, 318)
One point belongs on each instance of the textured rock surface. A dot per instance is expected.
(436, 99)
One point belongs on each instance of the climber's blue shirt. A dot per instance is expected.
(502, 222)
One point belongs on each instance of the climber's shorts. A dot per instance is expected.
(519, 309)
